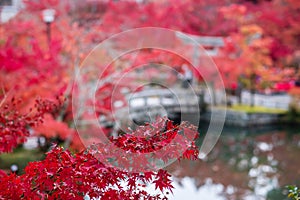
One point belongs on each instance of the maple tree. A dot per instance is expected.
(39, 73)
(283, 26)
(14, 124)
(64, 175)
(246, 60)
(31, 68)
(194, 16)
(278, 26)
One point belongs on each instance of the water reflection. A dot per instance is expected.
(244, 164)
(187, 190)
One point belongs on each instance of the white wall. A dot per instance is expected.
(280, 101)
(8, 12)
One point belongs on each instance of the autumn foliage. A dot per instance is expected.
(63, 175)
(36, 80)
(14, 125)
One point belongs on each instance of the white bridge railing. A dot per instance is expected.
(148, 104)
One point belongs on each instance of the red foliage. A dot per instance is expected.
(14, 125)
(30, 68)
(65, 176)
(193, 16)
(52, 128)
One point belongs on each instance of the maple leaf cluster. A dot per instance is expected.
(15, 126)
(149, 147)
(63, 175)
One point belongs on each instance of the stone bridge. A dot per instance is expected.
(147, 105)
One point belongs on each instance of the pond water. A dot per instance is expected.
(246, 163)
